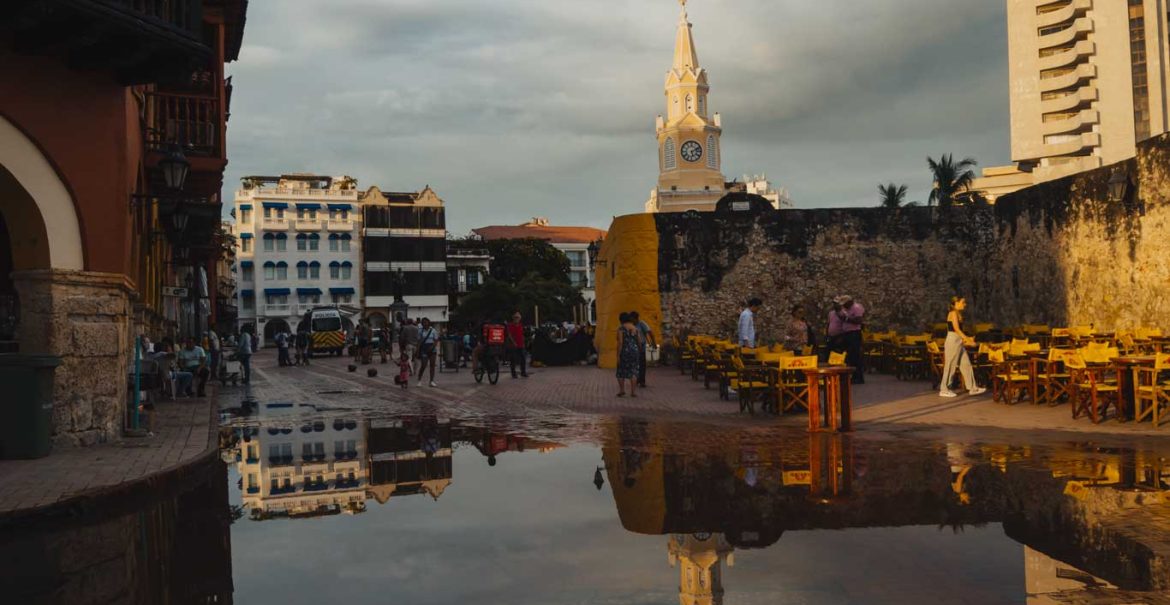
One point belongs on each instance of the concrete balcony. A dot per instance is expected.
(1079, 28)
(275, 224)
(1086, 71)
(280, 310)
(1076, 8)
(1080, 51)
(307, 224)
(1084, 95)
(1082, 119)
(333, 225)
(1072, 144)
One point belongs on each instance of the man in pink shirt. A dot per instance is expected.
(852, 319)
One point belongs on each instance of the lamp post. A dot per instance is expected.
(175, 168)
(1120, 190)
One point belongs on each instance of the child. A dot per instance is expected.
(404, 371)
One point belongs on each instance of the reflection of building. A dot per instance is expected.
(700, 559)
(405, 235)
(296, 248)
(573, 241)
(309, 468)
(409, 456)
(1088, 81)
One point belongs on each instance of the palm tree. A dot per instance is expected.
(892, 195)
(950, 179)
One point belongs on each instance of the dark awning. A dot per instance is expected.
(247, 293)
(275, 205)
(341, 291)
(245, 236)
(307, 205)
(308, 290)
(277, 291)
(340, 206)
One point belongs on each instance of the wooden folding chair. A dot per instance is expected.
(1151, 394)
(752, 383)
(1009, 378)
(1093, 394)
(793, 383)
(1053, 381)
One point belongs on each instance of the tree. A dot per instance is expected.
(495, 300)
(515, 259)
(892, 195)
(950, 179)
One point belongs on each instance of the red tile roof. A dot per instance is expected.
(549, 233)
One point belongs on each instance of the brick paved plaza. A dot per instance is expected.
(184, 431)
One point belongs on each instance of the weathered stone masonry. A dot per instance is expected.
(1059, 253)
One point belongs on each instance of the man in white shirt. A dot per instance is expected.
(746, 335)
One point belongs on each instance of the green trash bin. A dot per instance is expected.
(26, 415)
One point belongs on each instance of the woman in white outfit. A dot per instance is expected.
(955, 353)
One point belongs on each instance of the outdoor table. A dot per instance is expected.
(834, 411)
(1127, 378)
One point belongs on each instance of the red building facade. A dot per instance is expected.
(100, 93)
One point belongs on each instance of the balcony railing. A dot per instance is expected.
(279, 224)
(338, 225)
(192, 122)
(277, 309)
(180, 14)
(307, 224)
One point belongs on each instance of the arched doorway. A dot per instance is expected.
(377, 320)
(274, 327)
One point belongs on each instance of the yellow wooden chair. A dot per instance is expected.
(934, 354)
(910, 359)
(793, 383)
(1053, 381)
(1151, 392)
(1093, 392)
(751, 384)
(1009, 377)
(836, 359)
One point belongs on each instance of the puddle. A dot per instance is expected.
(314, 507)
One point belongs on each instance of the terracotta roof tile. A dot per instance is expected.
(550, 233)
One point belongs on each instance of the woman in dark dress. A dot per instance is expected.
(628, 347)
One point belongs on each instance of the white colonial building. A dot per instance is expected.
(297, 248)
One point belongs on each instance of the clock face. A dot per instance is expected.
(692, 151)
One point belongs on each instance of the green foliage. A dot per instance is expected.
(495, 300)
(892, 195)
(950, 179)
(513, 260)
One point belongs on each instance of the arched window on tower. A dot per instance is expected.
(712, 152)
(702, 105)
(674, 110)
(668, 159)
(690, 104)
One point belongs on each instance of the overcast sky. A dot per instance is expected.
(518, 108)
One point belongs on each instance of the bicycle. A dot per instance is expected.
(489, 365)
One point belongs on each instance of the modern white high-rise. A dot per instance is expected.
(1088, 81)
(297, 248)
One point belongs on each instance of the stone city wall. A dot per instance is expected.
(1060, 253)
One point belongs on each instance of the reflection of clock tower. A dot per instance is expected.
(700, 559)
(689, 175)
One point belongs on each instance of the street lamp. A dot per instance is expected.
(175, 168)
(179, 218)
(1118, 186)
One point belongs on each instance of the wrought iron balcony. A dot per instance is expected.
(192, 122)
(138, 41)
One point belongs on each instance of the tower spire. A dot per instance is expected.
(685, 57)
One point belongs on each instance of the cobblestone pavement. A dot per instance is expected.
(183, 433)
(572, 400)
(574, 394)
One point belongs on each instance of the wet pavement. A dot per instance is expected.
(332, 497)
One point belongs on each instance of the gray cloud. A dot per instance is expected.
(517, 108)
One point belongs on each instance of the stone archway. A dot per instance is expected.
(377, 320)
(274, 327)
(37, 206)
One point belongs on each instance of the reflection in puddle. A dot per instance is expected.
(430, 509)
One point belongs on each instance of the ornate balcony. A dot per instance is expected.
(137, 41)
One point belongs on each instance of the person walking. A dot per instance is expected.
(244, 354)
(302, 344)
(629, 346)
(282, 349)
(408, 342)
(646, 339)
(852, 316)
(955, 352)
(514, 343)
(746, 333)
(428, 344)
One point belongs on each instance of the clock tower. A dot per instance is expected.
(689, 169)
